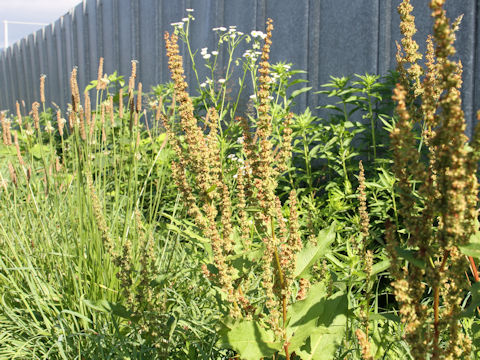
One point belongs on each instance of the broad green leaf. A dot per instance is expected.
(473, 247)
(249, 340)
(475, 302)
(40, 151)
(303, 315)
(109, 307)
(411, 256)
(311, 253)
(377, 268)
(317, 323)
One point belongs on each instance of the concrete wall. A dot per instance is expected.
(324, 37)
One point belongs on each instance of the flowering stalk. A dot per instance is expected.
(209, 200)
(440, 215)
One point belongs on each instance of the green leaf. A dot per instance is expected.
(378, 268)
(40, 151)
(475, 302)
(473, 247)
(317, 323)
(411, 256)
(311, 253)
(109, 307)
(300, 91)
(249, 340)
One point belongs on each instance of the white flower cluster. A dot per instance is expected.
(184, 20)
(254, 97)
(259, 34)
(207, 82)
(232, 32)
(177, 24)
(234, 157)
(252, 54)
(205, 54)
(274, 77)
(242, 169)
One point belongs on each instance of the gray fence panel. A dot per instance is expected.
(27, 90)
(148, 41)
(60, 54)
(324, 37)
(476, 63)
(69, 62)
(109, 40)
(126, 53)
(32, 66)
(3, 79)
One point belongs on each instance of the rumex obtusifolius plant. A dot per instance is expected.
(246, 221)
(438, 199)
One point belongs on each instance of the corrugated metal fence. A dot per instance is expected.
(324, 37)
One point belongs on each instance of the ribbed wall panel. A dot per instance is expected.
(324, 37)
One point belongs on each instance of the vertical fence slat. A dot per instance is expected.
(147, 45)
(58, 88)
(18, 72)
(124, 37)
(476, 64)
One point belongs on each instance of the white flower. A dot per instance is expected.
(270, 98)
(221, 81)
(206, 56)
(214, 53)
(49, 128)
(209, 81)
(189, 10)
(253, 97)
(286, 67)
(232, 157)
(177, 24)
(233, 36)
(185, 19)
(239, 33)
(204, 51)
(240, 140)
(221, 28)
(235, 176)
(260, 34)
(204, 84)
(232, 27)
